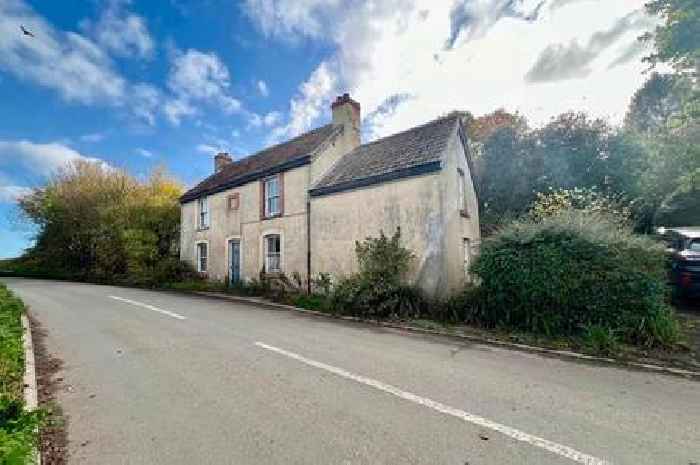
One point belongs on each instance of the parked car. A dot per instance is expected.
(684, 247)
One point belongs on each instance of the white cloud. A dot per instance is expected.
(145, 101)
(197, 76)
(122, 32)
(144, 153)
(40, 159)
(10, 194)
(93, 137)
(268, 120)
(176, 109)
(262, 88)
(289, 19)
(311, 101)
(383, 49)
(69, 63)
(569, 61)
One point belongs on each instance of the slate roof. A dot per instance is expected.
(295, 152)
(412, 152)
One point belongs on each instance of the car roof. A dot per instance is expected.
(691, 232)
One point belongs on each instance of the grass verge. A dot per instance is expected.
(18, 427)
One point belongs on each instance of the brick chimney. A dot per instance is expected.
(346, 112)
(221, 160)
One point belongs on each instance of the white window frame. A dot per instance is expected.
(203, 212)
(198, 256)
(268, 196)
(270, 257)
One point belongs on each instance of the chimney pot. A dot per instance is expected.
(221, 160)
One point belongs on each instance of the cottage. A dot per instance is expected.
(300, 206)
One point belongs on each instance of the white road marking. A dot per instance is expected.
(150, 307)
(518, 435)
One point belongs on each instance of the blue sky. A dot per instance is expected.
(139, 84)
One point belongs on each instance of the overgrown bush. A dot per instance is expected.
(18, 427)
(379, 289)
(571, 271)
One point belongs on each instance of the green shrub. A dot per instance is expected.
(315, 302)
(379, 290)
(573, 270)
(600, 340)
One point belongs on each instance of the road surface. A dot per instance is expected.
(163, 378)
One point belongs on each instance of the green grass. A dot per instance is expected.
(18, 428)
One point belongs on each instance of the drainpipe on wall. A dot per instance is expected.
(308, 245)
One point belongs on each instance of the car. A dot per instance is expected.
(684, 248)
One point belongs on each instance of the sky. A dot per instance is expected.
(142, 84)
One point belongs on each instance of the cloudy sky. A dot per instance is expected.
(139, 84)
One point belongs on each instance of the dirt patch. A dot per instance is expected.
(53, 437)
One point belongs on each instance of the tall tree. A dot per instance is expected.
(654, 104)
(677, 43)
(98, 222)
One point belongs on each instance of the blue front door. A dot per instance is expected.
(234, 261)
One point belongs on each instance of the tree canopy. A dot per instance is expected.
(97, 222)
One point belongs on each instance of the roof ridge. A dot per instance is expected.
(271, 147)
(411, 129)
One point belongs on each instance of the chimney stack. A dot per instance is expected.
(221, 160)
(346, 112)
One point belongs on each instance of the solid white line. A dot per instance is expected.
(150, 307)
(518, 435)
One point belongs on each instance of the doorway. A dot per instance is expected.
(234, 261)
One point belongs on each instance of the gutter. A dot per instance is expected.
(417, 170)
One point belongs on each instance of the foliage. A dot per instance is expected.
(656, 103)
(677, 40)
(98, 223)
(677, 43)
(600, 340)
(682, 206)
(572, 270)
(379, 289)
(18, 427)
(591, 200)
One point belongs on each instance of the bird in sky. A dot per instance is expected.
(26, 32)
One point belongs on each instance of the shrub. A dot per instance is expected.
(573, 270)
(379, 289)
(600, 340)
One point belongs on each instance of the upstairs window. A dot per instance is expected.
(202, 255)
(203, 207)
(271, 189)
(461, 182)
(234, 201)
(273, 253)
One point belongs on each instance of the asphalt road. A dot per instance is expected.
(162, 378)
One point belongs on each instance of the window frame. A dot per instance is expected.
(462, 190)
(198, 253)
(267, 255)
(267, 197)
(203, 216)
(233, 201)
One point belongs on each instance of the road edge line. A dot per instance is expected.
(566, 354)
(31, 392)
